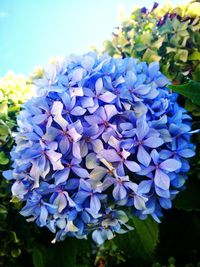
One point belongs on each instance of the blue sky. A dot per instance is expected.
(32, 31)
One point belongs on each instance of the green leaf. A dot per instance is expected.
(151, 55)
(3, 159)
(37, 257)
(158, 43)
(166, 28)
(4, 107)
(182, 55)
(3, 212)
(14, 237)
(16, 252)
(192, 108)
(141, 242)
(146, 38)
(4, 130)
(140, 47)
(194, 56)
(175, 24)
(147, 231)
(191, 90)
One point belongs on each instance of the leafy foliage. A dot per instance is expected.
(191, 90)
(168, 35)
(14, 90)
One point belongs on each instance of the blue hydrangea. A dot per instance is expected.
(103, 140)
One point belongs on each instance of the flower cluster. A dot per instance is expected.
(103, 140)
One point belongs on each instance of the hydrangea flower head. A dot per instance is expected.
(103, 140)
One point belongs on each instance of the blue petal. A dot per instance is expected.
(143, 157)
(132, 166)
(119, 192)
(165, 203)
(161, 179)
(186, 153)
(170, 165)
(153, 142)
(95, 203)
(61, 176)
(8, 174)
(43, 216)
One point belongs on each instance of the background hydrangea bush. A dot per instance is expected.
(14, 90)
(168, 35)
(104, 140)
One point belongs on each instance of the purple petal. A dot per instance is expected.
(74, 134)
(146, 170)
(98, 173)
(93, 119)
(43, 216)
(87, 62)
(51, 134)
(162, 193)
(144, 186)
(64, 145)
(83, 173)
(161, 179)
(132, 166)
(38, 119)
(54, 158)
(119, 192)
(99, 86)
(142, 89)
(60, 201)
(155, 156)
(139, 202)
(110, 155)
(78, 111)
(97, 146)
(84, 185)
(81, 196)
(130, 79)
(143, 157)
(153, 142)
(142, 127)
(77, 75)
(61, 121)
(153, 69)
(62, 176)
(114, 142)
(107, 97)
(120, 169)
(108, 182)
(110, 111)
(18, 189)
(87, 102)
(140, 109)
(91, 161)
(83, 148)
(92, 130)
(170, 165)
(95, 204)
(57, 108)
(76, 150)
(76, 91)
